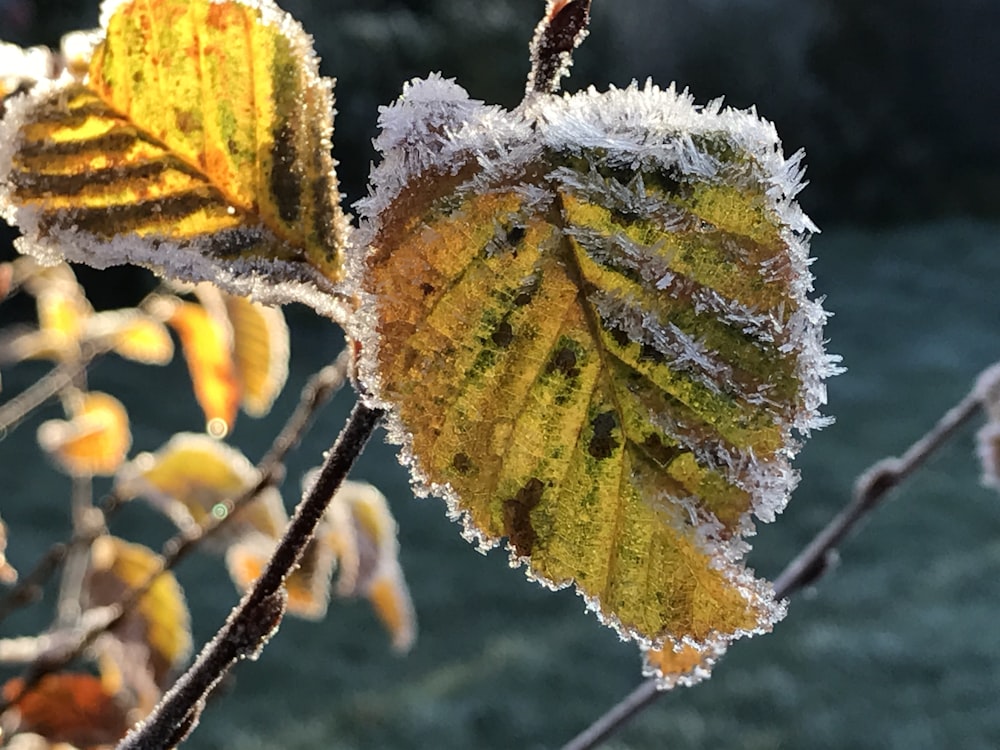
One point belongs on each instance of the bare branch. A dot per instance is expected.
(870, 489)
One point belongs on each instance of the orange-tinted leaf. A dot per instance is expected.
(685, 666)
(94, 441)
(193, 479)
(206, 347)
(198, 145)
(132, 334)
(390, 597)
(160, 622)
(6, 279)
(69, 707)
(259, 344)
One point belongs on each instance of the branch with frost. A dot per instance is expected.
(561, 30)
(870, 489)
(50, 652)
(259, 613)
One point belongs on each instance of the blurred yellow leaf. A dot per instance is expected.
(198, 145)
(360, 529)
(194, 479)
(589, 321)
(160, 621)
(358, 533)
(206, 347)
(132, 334)
(260, 352)
(94, 441)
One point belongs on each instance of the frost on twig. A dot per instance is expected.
(559, 32)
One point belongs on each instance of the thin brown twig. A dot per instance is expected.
(60, 377)
(870, 489)
(29, 588)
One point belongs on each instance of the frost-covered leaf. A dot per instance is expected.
(160, 623)
(194, 479)
(70, 707)
(589, 320)
(94, 441)
(198, 145)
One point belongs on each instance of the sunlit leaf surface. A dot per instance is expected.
(94, 441)
(194, 478)
(160, 622)
(591, 326)
(260, 352)
(207, 350)
(199, 145)
(69, 707)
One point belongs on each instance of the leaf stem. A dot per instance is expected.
(560, 31)
(258, 614)
(870, 489)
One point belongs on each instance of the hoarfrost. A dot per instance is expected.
(434, 128)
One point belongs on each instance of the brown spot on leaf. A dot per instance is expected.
(427, 289)
(284, 183)
(660, 453)
(621, 338)
(652, 353)
(602, 442)
(564, 361)
(461, 463)
(517, 516)
(503, 335)
(515, 235)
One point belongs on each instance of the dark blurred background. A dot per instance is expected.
(896, 104)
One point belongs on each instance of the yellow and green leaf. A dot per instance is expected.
(198, 144)
(592, 332)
